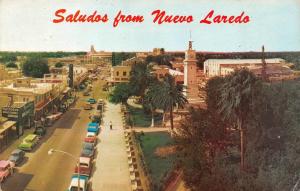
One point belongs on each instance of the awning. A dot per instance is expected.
(7, 125)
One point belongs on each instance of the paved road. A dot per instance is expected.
(111, 172)
(41, 172)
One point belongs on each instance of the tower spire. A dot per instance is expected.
(264, 65)
(190, 41)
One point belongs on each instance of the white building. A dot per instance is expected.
(222, 67)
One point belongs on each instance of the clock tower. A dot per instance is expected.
(190, 73)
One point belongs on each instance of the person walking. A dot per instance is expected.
(110, 125)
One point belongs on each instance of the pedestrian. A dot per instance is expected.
(110, 125)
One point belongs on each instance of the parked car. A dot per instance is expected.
(88, 150)
(86, 93)
(91, 138)
(28, 142)
(90, 146)
(6, 169)
(17, 156)
(40, 131)
(84, 184)
(88, 106)
(91, 100)
(96, 117)
(85, 166)
(93, 127)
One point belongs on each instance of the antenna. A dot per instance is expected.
(190, 34)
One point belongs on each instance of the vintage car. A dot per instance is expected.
(88, 150)
(40, 131)
(91, 100)
(83, 183)
(96, 117)
(88, 106)
(6, 168)
(91, 137)
(28, 142)
(93, 127)
(86, 93)
(85, 166)
(17, 156)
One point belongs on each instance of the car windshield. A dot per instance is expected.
(73, 188)
(84, 164)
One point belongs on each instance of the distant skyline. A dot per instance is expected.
(27, 26)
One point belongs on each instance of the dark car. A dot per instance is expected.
(89, 146)
(40, 131)
(87, 153)
(17, 156)
(88, 150)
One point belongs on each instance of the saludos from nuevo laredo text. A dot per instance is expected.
(159, 17)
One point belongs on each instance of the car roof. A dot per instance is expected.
(74, 182)
(17, 151)
(30, 137)
(84, 160)
(90, 134)
(4, 163)
(86, 151)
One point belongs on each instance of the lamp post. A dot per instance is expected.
(51, 151)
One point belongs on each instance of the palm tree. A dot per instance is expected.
(140, 78)
(170, 95)
(235, 101)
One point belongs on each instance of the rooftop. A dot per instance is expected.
(245, 61)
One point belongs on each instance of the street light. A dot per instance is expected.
(51, 151)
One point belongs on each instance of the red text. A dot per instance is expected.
(210, 18)
(161, 17)
(127, 18)
(77, 17)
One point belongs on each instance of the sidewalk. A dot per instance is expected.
(111, 164)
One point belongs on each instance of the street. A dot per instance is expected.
(43, 172)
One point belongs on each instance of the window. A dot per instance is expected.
(124, 73)
(117, 73)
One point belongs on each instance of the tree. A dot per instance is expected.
(11, 65)
(203, 143)
(171, 95)
(35, 67)
(140, 78)
(8, 57)
(59, 65)
(120, 93)
(236, 99)
(152, 97)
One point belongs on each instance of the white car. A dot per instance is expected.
(83, 183)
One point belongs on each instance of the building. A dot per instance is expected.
(160, 72)
(190, 74)
(9, 73)
(43, 94)
(272, 69)
(94, 57)
(7, 132)
(120, 74)
(222, 67)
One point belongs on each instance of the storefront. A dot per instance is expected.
(7, 133)
(22, 114)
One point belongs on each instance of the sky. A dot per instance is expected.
(26, 25)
